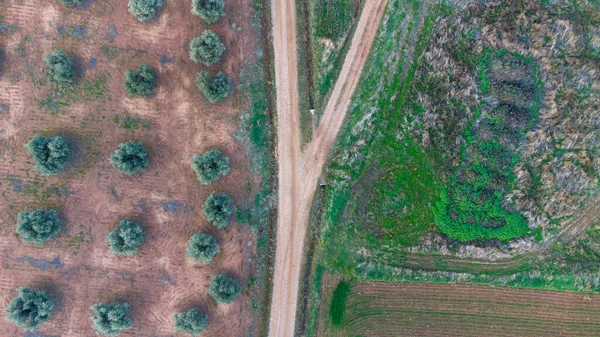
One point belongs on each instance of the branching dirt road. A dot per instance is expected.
(299, 172)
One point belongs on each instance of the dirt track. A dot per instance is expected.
(299, 172)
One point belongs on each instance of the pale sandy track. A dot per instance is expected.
(298, 173)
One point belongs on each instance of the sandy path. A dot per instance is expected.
(298, 175)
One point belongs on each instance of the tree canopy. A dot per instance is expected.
(61, 69)
(218, 208)
(207, 48)
(202, 247)
(30, 309)
(144, 10)
(140, 81)
(208, 10)
(127, 238)
(130, 158)
(214, 90)
(210, 166)
(224, 289)
(191, 322)
(110, 319)
(38, 226)
(49, 153)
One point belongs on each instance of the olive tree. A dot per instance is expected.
(224, 289)
(49, 153)
(130, 158)
(61, 69)
(210, 166)
(127, 238)
(38, 226)
(191, 322)
(208, 10)
(140, 81)
(206, 48)
(30, 309)
(202, 247)
(144, 10)
(110, 319)
(218, 208)
(214, 90)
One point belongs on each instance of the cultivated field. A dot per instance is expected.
(429, 309)
(76, 268)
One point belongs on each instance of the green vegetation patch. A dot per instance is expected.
(338, 302)
(332, 18)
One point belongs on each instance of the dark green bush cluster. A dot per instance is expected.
(144, 10)
(224, 289)
(71, 3)
(210, 166)
(110, 319)
(218, 208)
(202, 247)
(30, 309)
(49, 153)
(208, 10)
(333, 18)
(139, 82)
(215, 90)
(127, 238)
(191, 322)
(38, 226)
(61, 69)
(206, 48)
(130, 158)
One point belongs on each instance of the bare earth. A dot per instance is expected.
(299, 172)
(77, 268)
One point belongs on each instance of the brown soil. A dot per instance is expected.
(77, 268)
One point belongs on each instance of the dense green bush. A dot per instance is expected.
(144, 9)
(191, 322)
(71, 3)
(215, 90)
(127, 238)
(139, 82)
(30, 309)
(130, 158)
(38, 226)
(218, 208)
(110, 319)
(333, 18)
(223, 288)
(206, 48)
(210, 166)
(208, 10)
(202, 247)
(61, 69)
(49, 153)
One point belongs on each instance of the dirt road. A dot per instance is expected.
(299, 172)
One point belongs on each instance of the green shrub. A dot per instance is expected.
(49, 153)
(130, 158)
(127, 238)
(202, 247)
(110, 319)
(210, 166)
(224, 289)
(208, 10)
(338, 302)
(71, 3)
(144, 9)
(38, 226)
(30, 309)
(218, 208)
(333, 18)
(206, 48)
(191, 322)
(215, 90)
(139, 82)
(61, 69)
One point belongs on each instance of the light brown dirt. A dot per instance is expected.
(76, 268)
(298, 173)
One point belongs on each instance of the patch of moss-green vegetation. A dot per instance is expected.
(338, 302)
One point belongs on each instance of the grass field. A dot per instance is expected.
(422, 309)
